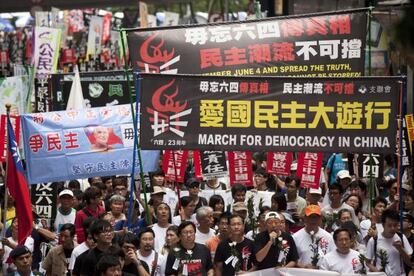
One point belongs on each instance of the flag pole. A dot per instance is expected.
(6, 190)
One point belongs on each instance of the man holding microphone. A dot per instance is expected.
(273, 247)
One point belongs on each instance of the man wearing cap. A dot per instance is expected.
(273, 247)
(22, 259)
(313, 196)
(312, 236)
(65, 213)
(193, 186)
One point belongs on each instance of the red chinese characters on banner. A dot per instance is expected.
(240, 167)
(309, 169)
(106, 29)
(278, 163)
(197, 164)
(174, 165)
(15, 120)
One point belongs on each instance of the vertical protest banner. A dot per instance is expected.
(197, 164)
(42, 94)
(14, 90)
(44, 200)
(240, 167)
(46, 50)
(42, 19)
(370, 164)
(174, 164)
(213, 164)
(309, 169)
(76, 22)
(278, 163)
(406, 159)
(94, 36)
(106, 27)
(409, 120)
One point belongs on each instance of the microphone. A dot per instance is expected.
(274, 241)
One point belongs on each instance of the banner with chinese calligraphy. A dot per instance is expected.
(409, 120)
(405, 152)
(42, 94)
(15, 120)
(174, 164)
(213, 164)
(46, 50)
(44, 197)
(14, 90)
(95, 36)
(99, 89)
(76, 144)
(371, 164)
(240, 167)
(197, 164)
(269, 113)
(278, 163)
(325, 44)
(309, 169)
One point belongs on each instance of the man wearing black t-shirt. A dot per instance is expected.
(102, 233)
(274, 248)
(189, 258)
(234, 254)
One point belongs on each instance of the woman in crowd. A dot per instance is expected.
(171, 240)
(216, 202)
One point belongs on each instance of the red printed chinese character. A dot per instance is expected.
(235, 56)
(340, 24)
(338, 88)
(316, 25)
(244, 87)
(72, 114)
(210, 57)
(349, 88)
(292, 27)
(259, 53)
(90, 114)
(71, 139)
(254, 87)
(124, 111)
(106, 112)
(38, 118)
(35, 142)
(264, 88)
(328, 87)
(283, 51)
(53, 141)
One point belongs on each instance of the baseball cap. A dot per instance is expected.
(293, 166)
(158, 190)
(19, 251)
(315, 191)
(271, 215)
(312, 210)
(66, 192)
(288, 217)
(192, 182)
(239, 206)
(343, 174)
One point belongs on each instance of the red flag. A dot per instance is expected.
(17, 185)
(174, 166)
(279, 163)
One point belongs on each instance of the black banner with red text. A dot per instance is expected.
(269, 113)
(318, 45)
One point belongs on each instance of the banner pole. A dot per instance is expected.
(135, 120)
(6, 189)
(403, 88)
(369, 39)
(176, 182)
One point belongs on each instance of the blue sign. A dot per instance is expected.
(75, 144)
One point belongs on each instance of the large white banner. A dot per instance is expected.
(302, 272)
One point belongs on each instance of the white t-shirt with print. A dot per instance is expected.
(303, 241)
(62, 219)
(161, 262)
(341, 263)
(160, 234)
(395, 265)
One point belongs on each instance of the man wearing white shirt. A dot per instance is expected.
(163, 215)
(205, 220)
(147, 254)
(307, 237)
(396, 247)
(65, 213)
(343, 259)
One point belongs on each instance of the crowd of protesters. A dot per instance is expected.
(333, 228)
